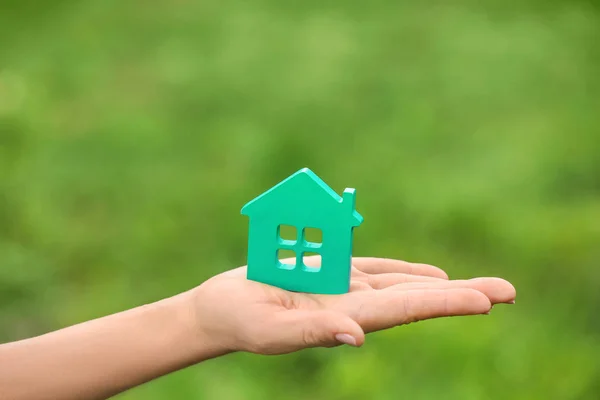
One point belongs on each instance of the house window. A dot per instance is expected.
(287, 258)
(295, 245)
(310, 263)
(287, 232)
(313, 236)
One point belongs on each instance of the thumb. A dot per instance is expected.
(325, 328)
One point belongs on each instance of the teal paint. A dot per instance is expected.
(302, 200)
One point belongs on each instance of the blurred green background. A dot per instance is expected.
(132, 132)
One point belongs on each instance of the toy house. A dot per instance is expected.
(302, 201)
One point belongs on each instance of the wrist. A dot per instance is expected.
(196, 327)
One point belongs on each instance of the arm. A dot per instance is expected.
(102, 357)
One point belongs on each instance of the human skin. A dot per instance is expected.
(226, 314)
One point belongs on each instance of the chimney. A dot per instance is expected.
(349, 199)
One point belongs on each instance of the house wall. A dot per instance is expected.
(336, 259)
(336, 252)
(262, 239)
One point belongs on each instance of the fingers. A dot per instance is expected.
(372, 265)
(382, 281)
(382, 309)
(496, 289)
(357, 285)
(322, 328)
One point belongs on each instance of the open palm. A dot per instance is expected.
(384, 293)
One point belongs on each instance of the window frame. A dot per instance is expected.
(300, 246)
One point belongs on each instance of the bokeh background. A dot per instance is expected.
(132, 132)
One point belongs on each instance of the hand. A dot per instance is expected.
(235, 314)
(99, 358)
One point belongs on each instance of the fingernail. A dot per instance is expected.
(511, 302)
(346, 339)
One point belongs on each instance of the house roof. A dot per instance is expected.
(314, 178)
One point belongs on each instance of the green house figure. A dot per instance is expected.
(302, 201)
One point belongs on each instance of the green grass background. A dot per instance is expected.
(132, 132)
